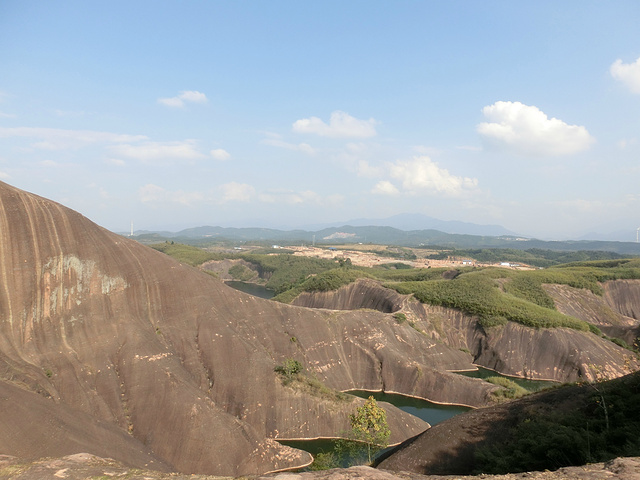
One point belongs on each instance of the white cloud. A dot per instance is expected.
(59, 139)
(365, 169)
(4, 175)
(341, 125)
(149, 152)
(422, 176)
(236, 192)
(7, 115)
(300, 147)
(290, 197)
(385, 187)
(627, 73)
(220, 154)
(527, 130)
(179, 100)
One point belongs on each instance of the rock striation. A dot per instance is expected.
(558, 354)
(104, 338)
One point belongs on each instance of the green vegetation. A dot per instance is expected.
(510, 390)
(292, 376)
(583, 433)
(400, 317)
(495, 295)
(190, 255)
(536, 257)
(368, 435)
(324, 282)
(479, 293)
(290, 368)
(241, 272)
(369, 427)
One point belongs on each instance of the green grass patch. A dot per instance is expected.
(479, 293)
(510, 390)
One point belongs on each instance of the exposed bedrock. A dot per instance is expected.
(179, 365)
(363, 293)
(558, 354)
(616, 312)
(450, 447)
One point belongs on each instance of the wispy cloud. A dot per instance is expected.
(341, 125)
(188, 96)
(526, 130)
(155, 195)
(299, 147)
(60, 139)
(627, 73)
(150, 152)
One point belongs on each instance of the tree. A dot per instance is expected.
(369, 426)
(289, 369)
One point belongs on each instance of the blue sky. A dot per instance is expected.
(289, 113)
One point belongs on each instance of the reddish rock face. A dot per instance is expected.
(172, 366)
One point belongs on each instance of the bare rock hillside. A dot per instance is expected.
(559, 354)
(104, 338)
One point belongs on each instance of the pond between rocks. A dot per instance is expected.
(531, 385)
(431, 413)
(252, 289)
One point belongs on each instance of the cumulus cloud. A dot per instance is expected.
(385, 187)
(220, 154)
(527, 130)
(191, 96)
(341, 125)
(151, 152)
(627, 73)
(421, 176)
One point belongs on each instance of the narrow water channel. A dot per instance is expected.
(252, 289)
(531, 385)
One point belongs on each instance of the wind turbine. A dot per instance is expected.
(637, 233)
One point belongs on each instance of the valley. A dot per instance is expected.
(106, 338)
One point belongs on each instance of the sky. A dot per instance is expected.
(292, 114)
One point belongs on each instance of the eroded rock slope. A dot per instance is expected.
(558, 354)
(175, 368)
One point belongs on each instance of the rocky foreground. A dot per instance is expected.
(84, 466)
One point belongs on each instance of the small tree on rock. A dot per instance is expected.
(369, 426)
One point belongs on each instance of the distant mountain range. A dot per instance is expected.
(384, 235)
(417, 221)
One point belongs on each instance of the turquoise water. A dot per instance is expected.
(431, 413)
(251, 288)
(531, 385)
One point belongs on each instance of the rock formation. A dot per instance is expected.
(104, 338)
(83, 466)
(559, 354)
